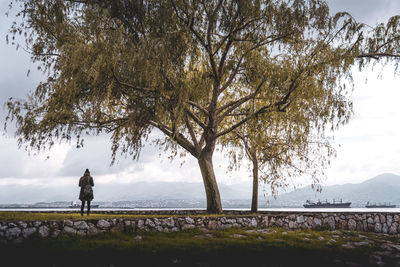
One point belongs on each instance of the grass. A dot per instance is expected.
(49, 216)
(53, 216)
(279, 248)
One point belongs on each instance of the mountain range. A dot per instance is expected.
(382, 188)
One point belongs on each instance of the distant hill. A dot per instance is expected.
(382, 188)
(119, 192)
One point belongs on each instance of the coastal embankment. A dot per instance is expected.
(22, 225)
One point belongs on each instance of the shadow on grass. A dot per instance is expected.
(179, 249)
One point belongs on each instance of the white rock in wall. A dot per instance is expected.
(12, 233)
(150, 223)
(128, 223)
(213, 224)
(3, 228)
(103, 224)
(81, 225)
(169, 222)
(384, 228)
(300, 219)
(27, 232)
(43, 231)
(69, 230)
(352, 224)
(331, 222)
(393, 228)
(389, 220)
(140, 224)
(230, 221)
(22, 224)
(69, 223)
(378, 227)
(253, 222)
(189, 220)
(317, 222)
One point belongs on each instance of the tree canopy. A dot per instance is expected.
(195, 70)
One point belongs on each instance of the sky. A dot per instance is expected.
(366, 147)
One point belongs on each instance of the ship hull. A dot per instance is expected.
(328, 205)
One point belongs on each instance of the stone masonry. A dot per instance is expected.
(388, 223)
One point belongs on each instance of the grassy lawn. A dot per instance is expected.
(231, 247)
(50, 216)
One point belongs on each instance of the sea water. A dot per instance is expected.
(340, 210)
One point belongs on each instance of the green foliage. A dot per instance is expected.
(197, 71)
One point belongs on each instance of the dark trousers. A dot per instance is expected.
(83, 206)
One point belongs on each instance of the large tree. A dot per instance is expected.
(186, 68)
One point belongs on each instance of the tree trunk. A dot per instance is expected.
(254, 201)
(210, 185)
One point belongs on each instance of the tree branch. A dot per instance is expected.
(249, 152)
(192, 134)
(378, 55)
(233, 105)
(197, 105)
(195, 118)
(232, 76)
(178, 137)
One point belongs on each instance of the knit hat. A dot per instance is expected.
(87, 171)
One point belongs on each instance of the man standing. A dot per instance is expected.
(86, 193)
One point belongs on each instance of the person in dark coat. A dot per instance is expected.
(86, 193)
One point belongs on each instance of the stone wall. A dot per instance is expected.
(372, 222)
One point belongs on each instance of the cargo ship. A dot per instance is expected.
(379, 205)
(326, 204)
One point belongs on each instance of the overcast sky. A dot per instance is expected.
(369, 144)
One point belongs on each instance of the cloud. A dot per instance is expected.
(370, 142)
(17, 163)
(370, 12)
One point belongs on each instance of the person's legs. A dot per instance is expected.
(82, 207)
(88, 207)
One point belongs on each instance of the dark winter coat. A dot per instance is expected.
(84, 180)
